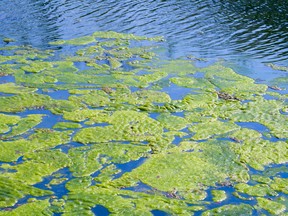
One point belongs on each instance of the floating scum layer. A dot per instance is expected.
(117, 139)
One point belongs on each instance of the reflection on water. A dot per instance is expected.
(209, 28)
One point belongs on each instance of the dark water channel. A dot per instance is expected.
(247, 34)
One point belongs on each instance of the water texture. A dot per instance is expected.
(210, 28)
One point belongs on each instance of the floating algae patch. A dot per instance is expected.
(272, 207)
(277, 67)
(37, 66)
(186, 170)
(172, 122)
(122, 202)
(280, 184)
(41, 139)
(260, 190)
(261, 152)
(205, 130)
(13, 190)
(66, 125)
(87, 160)
(125, 125)
(77, 41)
(242, 209)
(6, 121)
(38, 165)
(23, 101)
(230, 82)
(35, 207)
(218, 195)
(11, 88)
(118, 112)
(24, 125)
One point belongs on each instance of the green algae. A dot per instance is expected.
(87, 160)
(205, 130)
(242, 209)
(186, 170)
(277, 67)
(37, 165)
(230, 82)
(260, 190)
(23, 101)
(261, 153)
(11, 88)
(77, 41)
(107, 174)
(120, 128)
(41, 139)
(66, 125)
(125, 125)
(280, 184)
(218, 195)
(95, 116)
(24, 125)
(142, 97)
(13, 190)
(272, 207)
(123, 202)
(8, 40)
(6, 121)
(193, 83)
(172, 122)
(38, 207)
(116, 35)
(261, 179)
(36, 67)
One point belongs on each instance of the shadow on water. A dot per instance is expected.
(214, 28)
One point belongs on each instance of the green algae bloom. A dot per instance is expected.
(218, 195)
(272, 207)
(118, 138)
(242, 209)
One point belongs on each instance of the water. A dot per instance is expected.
(211, 28)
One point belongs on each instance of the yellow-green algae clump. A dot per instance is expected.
(123, 140)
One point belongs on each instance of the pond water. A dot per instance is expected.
(251, 37)
(247, 33)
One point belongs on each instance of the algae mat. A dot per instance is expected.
(95, 125)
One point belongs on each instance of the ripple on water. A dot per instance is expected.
(210, 28)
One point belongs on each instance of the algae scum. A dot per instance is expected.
(99, 129)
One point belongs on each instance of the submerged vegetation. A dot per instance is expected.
(102, 126)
